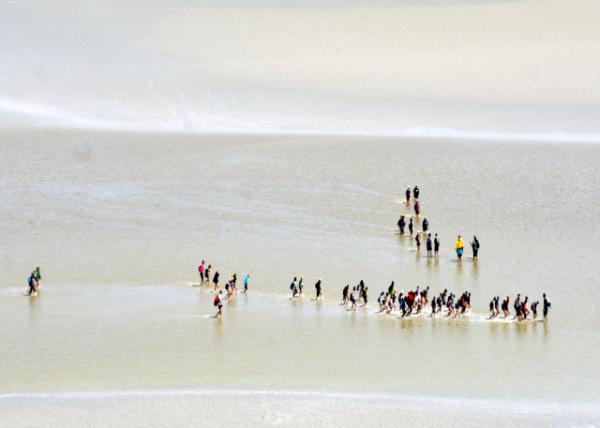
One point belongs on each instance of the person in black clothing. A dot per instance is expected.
(436, 245)
(545, 307)
(407, 193)
(475, 247)
(425, 224)
(418, 239)
(216, 280)
(318, 289)
(416, 192)
(429, 245)
(32, 282)
(401, 224)
(534, 306)
(410, 227)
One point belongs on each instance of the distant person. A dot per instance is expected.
(353, 299)
(407, 193)
(301, 286)
(411, 227)
(216, 280)
(294, 287)
(201, 270)
(416, 192)
(246, 282)
(401, 224)
(546, 307)
(38, 277)
(517, 306)
(425, 224)
(429, 246)
(418, 239)
(218, 302)
(345, 294)
(492, 311)
(505, 310)
(475, 247)
(524, 309)
(436, 246)
(417, 208)
(534, 307)
(365, 296)
(460, 247)
(32, 282)
(318, 289)
(207, 273)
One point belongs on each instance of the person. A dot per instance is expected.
(381, 300)
(517, 306)
(345, 294)
(460, 246)
(429, 245)
(364, 296)
(425, 224)
(318, 289)
(505, 310)
(410, 226)
(301, 286)
(246, 282)
(216, 280)
(418, 239)
(401, 224)
(294, 287)
(201, 271)
(534, 306)
(433, 306)
(417, 208)
(407, 193)
(353, 299)
(359, 290)
(38, 277)
(546, 307)
(524, 310)
(416, 192)
(475, 247)
(218, 302)
(492, 312)
(32, 282)
(436, 246)
(207, 273)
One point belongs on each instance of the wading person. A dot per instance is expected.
(460, 247)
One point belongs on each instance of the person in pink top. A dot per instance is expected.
(201, 270)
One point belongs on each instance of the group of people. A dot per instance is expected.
(522, 310)
(350, 299)
(231, 288)
(34, 282)
(432, 245)
(460, 248)
(297, 288)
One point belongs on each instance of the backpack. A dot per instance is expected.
(216, 301)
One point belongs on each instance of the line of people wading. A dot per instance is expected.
(432, 245)
(412, 303)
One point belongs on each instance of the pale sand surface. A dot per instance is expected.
(290, 409)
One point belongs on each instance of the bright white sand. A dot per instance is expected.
(260, 408)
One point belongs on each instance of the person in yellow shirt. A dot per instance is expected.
(460, 247)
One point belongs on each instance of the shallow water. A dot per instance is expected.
(119, 223)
